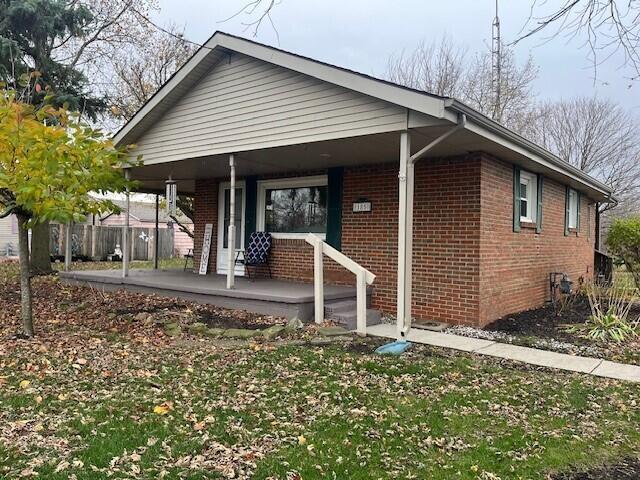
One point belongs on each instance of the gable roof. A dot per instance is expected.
(221, 45)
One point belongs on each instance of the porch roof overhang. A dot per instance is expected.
(362, 150)
(428, 116)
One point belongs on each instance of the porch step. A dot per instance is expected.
(340, 306)
(344, 313)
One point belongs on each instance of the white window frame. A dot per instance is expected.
(573, 208)
(292, 182)
(531, 181)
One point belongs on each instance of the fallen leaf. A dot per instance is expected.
(163, 408)
(199, 426)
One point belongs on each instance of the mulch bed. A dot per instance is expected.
(627, 469)
(544, 322)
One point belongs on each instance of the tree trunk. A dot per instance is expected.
(40, 252)
(25, 276)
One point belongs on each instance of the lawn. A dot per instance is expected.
(102, 394)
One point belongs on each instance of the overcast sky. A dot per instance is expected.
(361, 34)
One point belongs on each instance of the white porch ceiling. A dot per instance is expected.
(346, 152)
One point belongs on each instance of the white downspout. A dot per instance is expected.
(231, 237)
(405, 153)
(405, 223)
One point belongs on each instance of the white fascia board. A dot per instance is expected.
(420, 102)
(475, 128)
(487, 128)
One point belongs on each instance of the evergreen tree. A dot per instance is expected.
(33, 35)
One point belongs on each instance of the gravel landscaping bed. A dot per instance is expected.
(546, 329)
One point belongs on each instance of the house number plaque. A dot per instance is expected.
(361, 206)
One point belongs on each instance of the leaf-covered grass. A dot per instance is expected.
(81, 401)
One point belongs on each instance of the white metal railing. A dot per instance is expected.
(363, 278)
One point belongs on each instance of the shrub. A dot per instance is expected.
(623, 241)
(609, 319)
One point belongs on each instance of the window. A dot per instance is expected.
(293, 207)
(573, 208)
(528, 197)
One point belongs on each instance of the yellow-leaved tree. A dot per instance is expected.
(49, 162)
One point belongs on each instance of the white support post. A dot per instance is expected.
(318, 281)
(361, 301)
(126, 247)
(406, 179)
(156, 234)
(231, 237)
(405, 153)
(68, 252)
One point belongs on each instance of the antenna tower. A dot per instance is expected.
(496, 65)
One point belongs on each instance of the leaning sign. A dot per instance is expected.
(206, 247)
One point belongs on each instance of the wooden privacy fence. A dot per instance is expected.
(96, 242)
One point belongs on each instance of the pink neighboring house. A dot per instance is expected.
(143, 214)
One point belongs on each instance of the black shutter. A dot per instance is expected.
(334, 206)
(539, 211)
(516, 199)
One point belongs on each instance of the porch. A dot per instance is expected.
(262, 295)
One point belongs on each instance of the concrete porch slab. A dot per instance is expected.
(264, 295)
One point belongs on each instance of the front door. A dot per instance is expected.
(224, 211)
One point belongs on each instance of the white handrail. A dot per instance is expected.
(363, 278)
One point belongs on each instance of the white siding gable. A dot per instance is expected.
(245, 103)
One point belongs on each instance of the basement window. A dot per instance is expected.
(528, 197)
(293, 207)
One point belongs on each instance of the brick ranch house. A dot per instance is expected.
(322, 149)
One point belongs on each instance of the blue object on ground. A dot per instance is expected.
(395, 348)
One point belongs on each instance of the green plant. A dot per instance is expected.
(609, 319)
(623, 240)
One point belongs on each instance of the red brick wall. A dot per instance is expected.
(446, 235)
(469, 265)
(446, 238)
(515, 265)
(206, 211)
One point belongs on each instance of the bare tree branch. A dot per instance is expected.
(611, 27)
(597, 136)
(444, 69)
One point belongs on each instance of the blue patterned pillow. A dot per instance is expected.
(257, 252)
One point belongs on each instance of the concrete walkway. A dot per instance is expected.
(533, 356)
